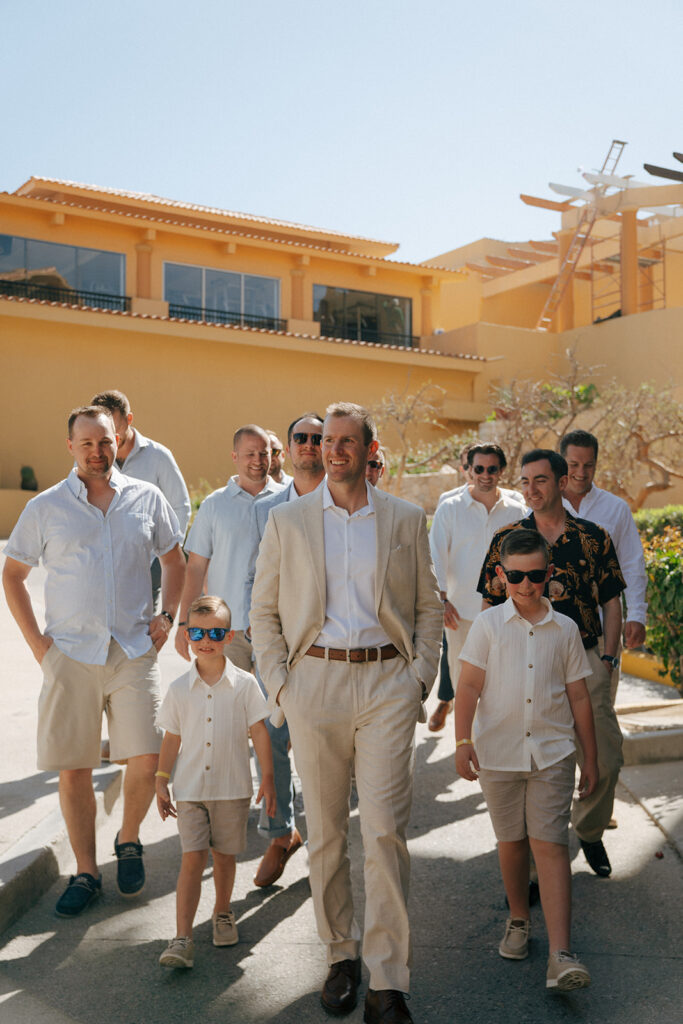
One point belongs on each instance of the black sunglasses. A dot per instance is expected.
(276, 451)
(492, 470)
(300, 438)
(196, 633)
(374, 464)
(517, 575)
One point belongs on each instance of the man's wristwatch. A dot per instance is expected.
(167, 615)
(613, 662)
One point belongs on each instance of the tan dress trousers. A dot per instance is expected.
(357, 716)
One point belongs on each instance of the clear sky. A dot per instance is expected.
(412, 122)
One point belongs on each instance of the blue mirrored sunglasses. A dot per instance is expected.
(197, 633)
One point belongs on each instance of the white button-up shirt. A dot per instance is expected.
(213, 723)
(98, 584)
(613, 514)
(223, 532)
(459, 539)
(523, 709)
(350, 570)
(445, 495)
(148, 460)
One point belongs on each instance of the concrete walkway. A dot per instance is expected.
(102, 967)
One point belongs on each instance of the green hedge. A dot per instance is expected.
(653, 522)
(664, 565)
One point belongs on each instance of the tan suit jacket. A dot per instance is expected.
(289, 599)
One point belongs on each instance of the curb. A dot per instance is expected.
(35, 862)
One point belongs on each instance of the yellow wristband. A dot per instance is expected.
(162, 775)
(462, 743)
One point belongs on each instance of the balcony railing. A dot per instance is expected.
(372, 337)
(73, 296)
(220, 316)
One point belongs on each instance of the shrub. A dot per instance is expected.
(664, 564)
(652, 522)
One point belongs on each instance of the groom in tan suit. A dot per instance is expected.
(346, 626)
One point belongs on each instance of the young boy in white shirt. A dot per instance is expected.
(207, 716)
(523, 671)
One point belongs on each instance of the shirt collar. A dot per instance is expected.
(79, 490)
(234, 489)
(139, 441)
(367, 510)
(228, 676)
(510, 612)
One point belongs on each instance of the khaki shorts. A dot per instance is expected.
(239, 651)
(219, 824)
(74, 696)
(535, 803)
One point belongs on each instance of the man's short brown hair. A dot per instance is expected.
(92, 412)
(357, 413)
(113, 400)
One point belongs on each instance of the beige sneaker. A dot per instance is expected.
(178, 953)
(515, 943)
(565, 972)
(225, 930)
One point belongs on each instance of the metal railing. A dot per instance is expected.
(220, 316)
(73, 296)
(369, 335)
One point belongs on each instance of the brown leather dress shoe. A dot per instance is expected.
(386, 1006)
(340, 991)
(274, 860)
(438, 719)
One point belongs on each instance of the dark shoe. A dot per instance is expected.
(274, 860)
(130, 871)
(596, 855)
(438, 718)
(340, 991)
(386, 1006)
(79, 894)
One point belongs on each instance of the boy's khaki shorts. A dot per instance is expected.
(219, 824)
(535, 804)
(74, 696)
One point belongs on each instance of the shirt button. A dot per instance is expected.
(208, 744)
(531, 632)
(208, 719)
(528, 700)
(531, 666)
(209, 695)
(528, 734)
(208, 767)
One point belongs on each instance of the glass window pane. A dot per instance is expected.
(260, 296)
(12, 258)
(183, 285)
(52, 264)
(361, 314)
(394, 315)
(328, 308)
(223, 291)
(100, 271)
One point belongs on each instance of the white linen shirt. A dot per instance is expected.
(613, 514)
(523, 709)
(98, 584)
(350, 570)
(148, 460)
(459, 539)
(445, 495)
(213, 723)
(223, 532)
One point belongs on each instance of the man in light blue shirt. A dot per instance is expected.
(96, 533)
(219, 545)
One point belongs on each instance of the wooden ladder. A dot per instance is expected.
(587, 219)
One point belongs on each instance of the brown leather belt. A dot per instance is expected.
(356, 654)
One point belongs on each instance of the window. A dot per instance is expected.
(222, 296)
(61, 267)
(364, 316)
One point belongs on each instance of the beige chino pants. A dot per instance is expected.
(344, 716)
(591, 816)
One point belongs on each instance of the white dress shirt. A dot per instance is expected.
(460, 536)
(445, 495)
(223, 532)
(350, 570)
(213, 723)
(523, 709)
(98, 584)
(148, 460)
(613, 514)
